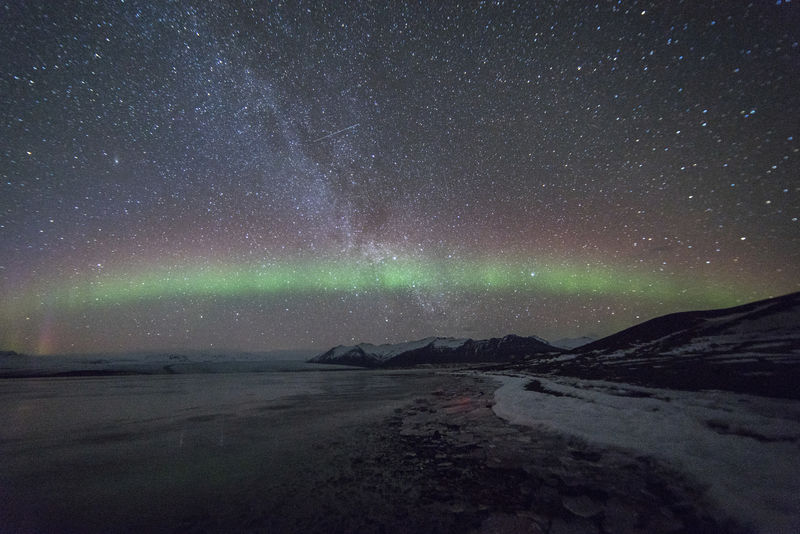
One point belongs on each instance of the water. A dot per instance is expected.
(164, 453)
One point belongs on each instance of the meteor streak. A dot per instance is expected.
(335, 133)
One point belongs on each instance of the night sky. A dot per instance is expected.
(255, 176)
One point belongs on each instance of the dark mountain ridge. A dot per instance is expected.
(674, 328)
(752, 348)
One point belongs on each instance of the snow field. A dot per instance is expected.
(744, 449)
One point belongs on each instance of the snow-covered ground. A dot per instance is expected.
(745, 449)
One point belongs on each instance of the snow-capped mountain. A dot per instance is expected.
(753, 348)
(436, 350)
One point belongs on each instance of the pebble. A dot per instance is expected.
(582, 506)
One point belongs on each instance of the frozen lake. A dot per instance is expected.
(165, 452)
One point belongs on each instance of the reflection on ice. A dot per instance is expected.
(85, 453)
(40, 408)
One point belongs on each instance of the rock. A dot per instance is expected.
(504, 523)
(457, 507)
(576, 526)
(665, 522)
(621, 518)
(582, 506)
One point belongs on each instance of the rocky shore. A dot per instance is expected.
(447, 463)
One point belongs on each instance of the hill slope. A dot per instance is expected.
(754, 348)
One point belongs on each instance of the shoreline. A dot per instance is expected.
(467, 470)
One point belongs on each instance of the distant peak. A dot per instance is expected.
(436, 349)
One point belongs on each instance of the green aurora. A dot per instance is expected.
(340, 276)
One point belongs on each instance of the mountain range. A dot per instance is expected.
(437, 350)
(753, 348)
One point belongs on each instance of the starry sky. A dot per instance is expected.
(263, 175)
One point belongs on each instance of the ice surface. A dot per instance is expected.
(46, 407)
(746, 449)
(149, 453)
(152, 363)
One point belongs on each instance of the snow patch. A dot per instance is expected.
(387, 351)
(745, 449)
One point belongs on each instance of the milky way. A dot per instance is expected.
(254, 175)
